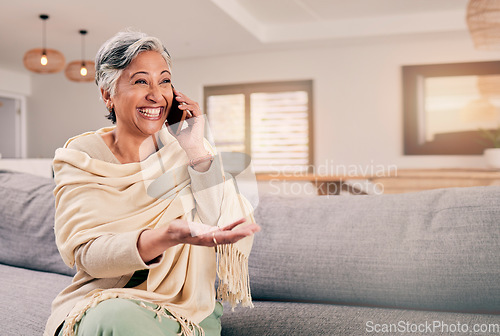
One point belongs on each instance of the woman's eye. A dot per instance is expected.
(165, 81)
(141, 81)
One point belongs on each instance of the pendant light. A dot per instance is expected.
(483, 20)
(43, 60)
(81, 71)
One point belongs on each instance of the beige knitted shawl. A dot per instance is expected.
(95, 198)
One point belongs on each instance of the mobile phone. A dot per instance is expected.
(176, 117)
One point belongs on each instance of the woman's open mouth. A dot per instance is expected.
(151, 113)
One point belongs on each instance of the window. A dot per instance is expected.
(271, 122)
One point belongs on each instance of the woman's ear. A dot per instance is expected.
(106, 97)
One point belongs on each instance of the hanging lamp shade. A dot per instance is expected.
(44, 60)
(483, 20)
(81, 71)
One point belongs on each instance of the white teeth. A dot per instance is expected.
(150, 112)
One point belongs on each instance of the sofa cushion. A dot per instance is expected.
(26, 299)
(298, 319)
(27, 223)
(435, 249)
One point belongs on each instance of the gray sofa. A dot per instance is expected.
(341, 265)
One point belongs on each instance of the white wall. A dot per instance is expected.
(357, 92)
(59, 109)
(18, 83)
(357, 95)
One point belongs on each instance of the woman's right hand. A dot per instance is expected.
(152, 243)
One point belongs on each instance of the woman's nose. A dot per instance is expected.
(154, 94)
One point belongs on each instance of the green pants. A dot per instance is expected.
(126, 317)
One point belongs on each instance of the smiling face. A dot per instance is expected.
(143, 95)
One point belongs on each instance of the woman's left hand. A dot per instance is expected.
(152, 243)
(191, 137)
(181, 231)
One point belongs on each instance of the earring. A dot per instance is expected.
(110, 108)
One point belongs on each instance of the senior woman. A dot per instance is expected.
(145, 261)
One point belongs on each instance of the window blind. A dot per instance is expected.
(271, 122)
(280, 131)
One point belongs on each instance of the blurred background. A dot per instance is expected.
(304, 86)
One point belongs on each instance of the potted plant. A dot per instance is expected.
(492, 153)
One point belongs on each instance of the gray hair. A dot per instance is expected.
(117, 53)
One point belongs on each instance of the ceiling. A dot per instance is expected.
(203, 28)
